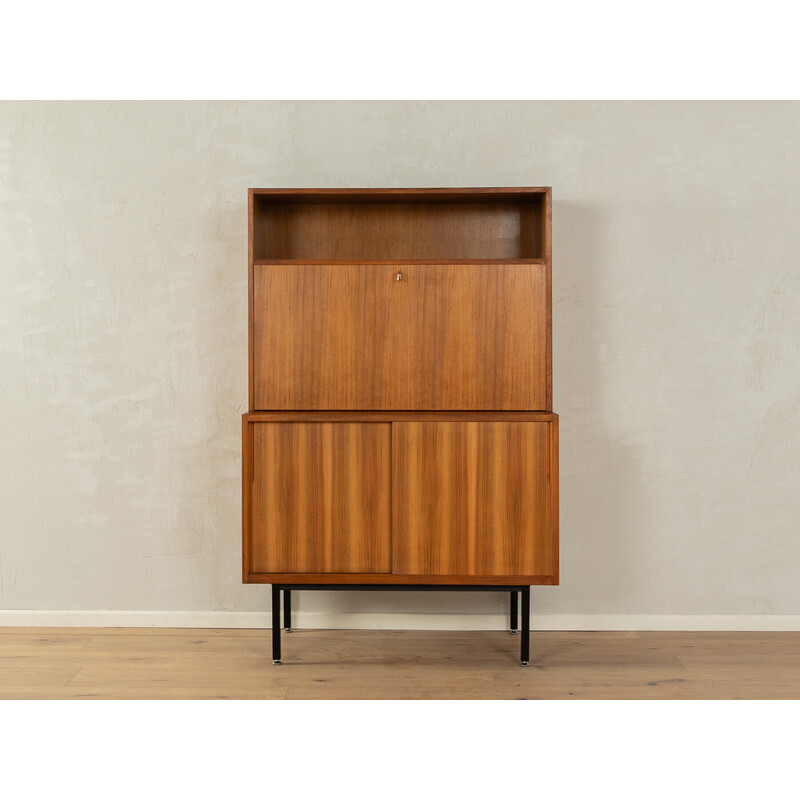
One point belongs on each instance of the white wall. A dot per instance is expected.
(123, 365)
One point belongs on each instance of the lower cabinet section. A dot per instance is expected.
(400, 497)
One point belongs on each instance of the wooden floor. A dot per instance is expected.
(158, 663)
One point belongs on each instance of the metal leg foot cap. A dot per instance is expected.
(276, 661)
(514, 631)
(287, 630)
(524, 663)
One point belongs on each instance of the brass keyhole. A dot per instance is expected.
(399, 276)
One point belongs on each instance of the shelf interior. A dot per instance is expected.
(435, 229)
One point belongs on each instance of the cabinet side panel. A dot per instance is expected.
(247, 473)
(548, 254)
(554, 509)
(321, 498)
(250, 343)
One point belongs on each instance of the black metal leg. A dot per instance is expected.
(285, 590)
(526, 626)
(287, 610)
(276, 624)
(514, 614)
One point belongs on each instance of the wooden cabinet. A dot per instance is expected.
(401, 428)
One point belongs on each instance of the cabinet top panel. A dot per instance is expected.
(484, 194)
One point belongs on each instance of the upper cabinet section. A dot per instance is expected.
(387, 299)
(399, 224)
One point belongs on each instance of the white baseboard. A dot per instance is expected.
(401, 621)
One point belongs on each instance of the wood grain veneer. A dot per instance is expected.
(471, 498)
(320, 497)
(398, 230)
(445, 336)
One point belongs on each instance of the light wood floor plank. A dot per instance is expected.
(181, 663)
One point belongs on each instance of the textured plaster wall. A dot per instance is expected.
(676, 339)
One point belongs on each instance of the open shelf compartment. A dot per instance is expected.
(399, 224)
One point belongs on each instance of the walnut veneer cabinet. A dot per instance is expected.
(401, 432)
